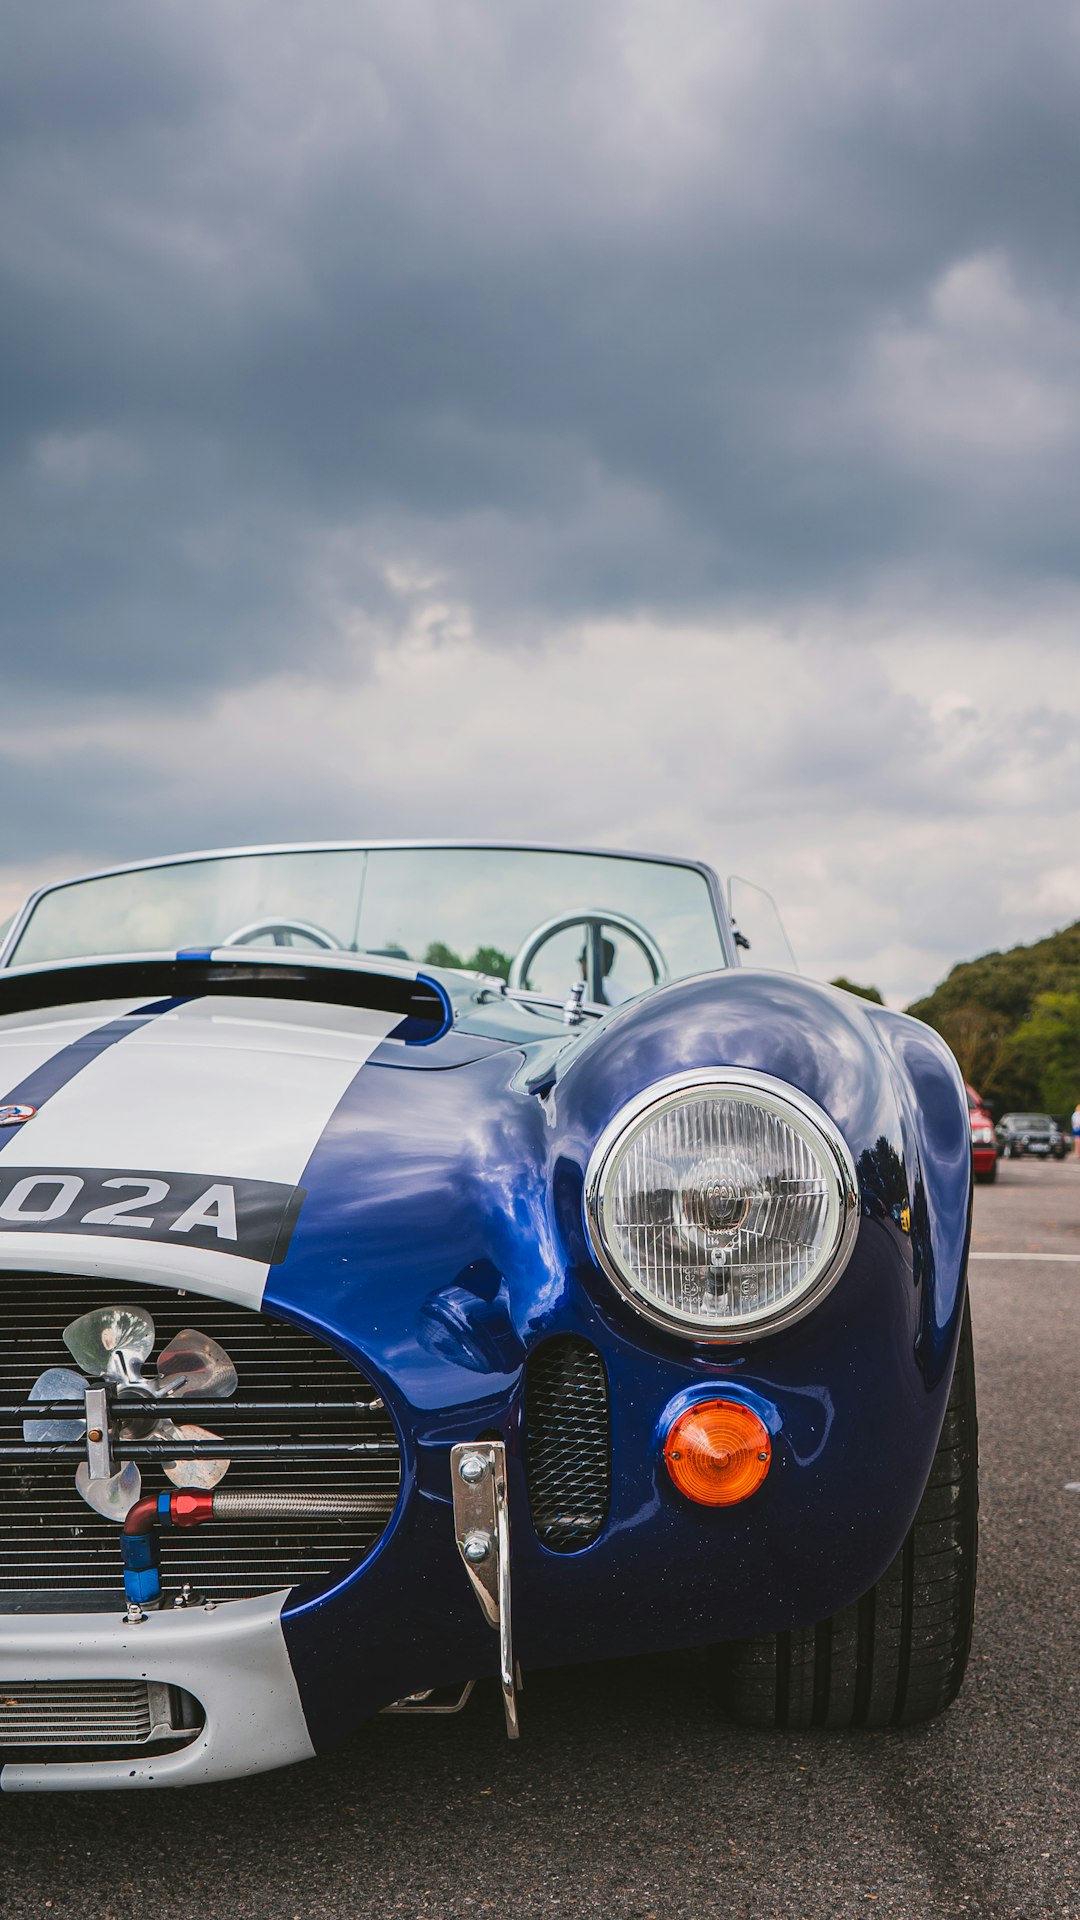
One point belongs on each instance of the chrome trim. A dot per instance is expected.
(10, 940)
(571, 1013)
(776, 1095)
(98, 1454)
(425, 1702)
(507, 1669)
(482, 1532)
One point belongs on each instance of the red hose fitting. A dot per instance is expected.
(191, 1509)
(182, 1510)
(143, 1516)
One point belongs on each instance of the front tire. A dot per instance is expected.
(898, 1655)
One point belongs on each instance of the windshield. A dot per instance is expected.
(622, 922)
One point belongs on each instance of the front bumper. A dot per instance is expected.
(292, 1673)
(853, 1398)
(233, 1659)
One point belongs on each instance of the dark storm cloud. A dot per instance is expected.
(589, 308)
(653, 422)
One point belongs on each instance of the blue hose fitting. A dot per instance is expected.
(141, 1550)
(142, 1560)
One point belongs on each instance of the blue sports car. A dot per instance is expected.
(420, 1264)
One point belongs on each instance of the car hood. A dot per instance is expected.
(169, 1140)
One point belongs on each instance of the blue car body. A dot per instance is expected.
(442, 1239)
(853, 1396)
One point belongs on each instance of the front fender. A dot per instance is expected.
(880, 1348)
(465, 1246)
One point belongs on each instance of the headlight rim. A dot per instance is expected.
(781, 1096)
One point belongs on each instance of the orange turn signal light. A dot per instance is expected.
(718, 1452)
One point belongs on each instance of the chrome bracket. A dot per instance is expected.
(482, 1531)
(98, 1454)
(428, 1700)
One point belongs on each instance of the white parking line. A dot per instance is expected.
(1072, 1486)
(1073, 1257)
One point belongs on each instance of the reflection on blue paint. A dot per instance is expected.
(443, 1236)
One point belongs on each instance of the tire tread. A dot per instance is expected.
(898, 1655)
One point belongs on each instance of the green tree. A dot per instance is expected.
(440, 955)
(1011, 1045)
(1038, 1065)
(1007, 984)
(864, 993)
(491, 960)
(485, 960)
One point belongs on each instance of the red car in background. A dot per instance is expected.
(983, 1138)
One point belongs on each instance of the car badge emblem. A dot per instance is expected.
(13, 1116)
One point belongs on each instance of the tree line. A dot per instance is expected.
(1013, 1021)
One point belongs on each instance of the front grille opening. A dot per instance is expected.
(58, 1555)
(54, 1720)
(568, 1443)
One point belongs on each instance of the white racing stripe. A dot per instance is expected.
(202, 1094)
(216, 1087)
(107, 1257)
(28, 1040)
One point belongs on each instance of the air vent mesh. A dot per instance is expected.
(569, 1443)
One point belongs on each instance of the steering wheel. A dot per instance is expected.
(279, 932)
(593, 921)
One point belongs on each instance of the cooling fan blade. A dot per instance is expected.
(194, 1367)
(112, 1498)
(112, 1343)
(182, 1473)
(192, 1473)
(56, 1383)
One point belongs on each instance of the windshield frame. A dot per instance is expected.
(715, 891)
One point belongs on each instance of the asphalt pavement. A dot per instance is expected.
(626, 1796)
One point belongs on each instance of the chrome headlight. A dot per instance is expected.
(723, 1203)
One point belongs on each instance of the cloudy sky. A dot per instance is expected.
(642, 422)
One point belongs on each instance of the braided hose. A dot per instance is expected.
(282, 1506)
(189, 1507)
